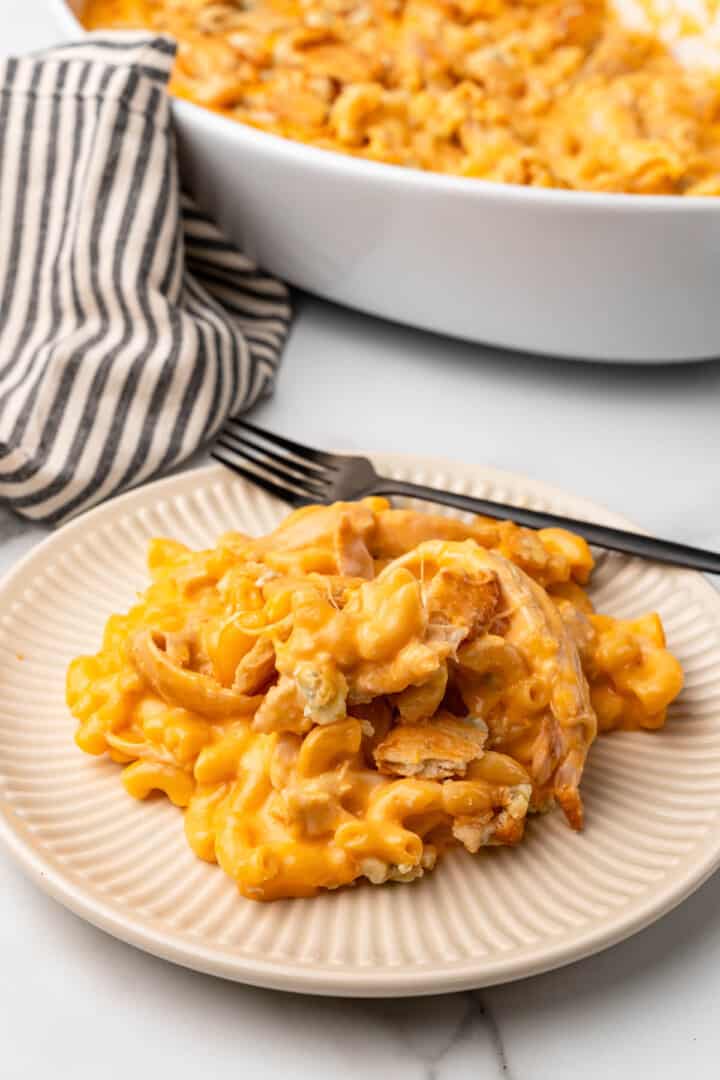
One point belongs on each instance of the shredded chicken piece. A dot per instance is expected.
(353, 557)
(434, 750)
(188, 689)
(256, 668)
(454, 596)
(399, 531)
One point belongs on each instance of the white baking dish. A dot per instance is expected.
(593, 276)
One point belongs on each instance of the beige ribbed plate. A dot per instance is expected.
(652, 800)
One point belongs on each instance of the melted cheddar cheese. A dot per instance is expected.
(363, 688)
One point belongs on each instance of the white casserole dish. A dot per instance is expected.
(574, 274)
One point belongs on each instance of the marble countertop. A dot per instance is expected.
(646, 441)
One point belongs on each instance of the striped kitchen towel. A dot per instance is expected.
(129, 328)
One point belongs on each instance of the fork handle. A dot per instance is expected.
(646, 547)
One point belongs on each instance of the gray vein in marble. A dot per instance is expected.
(471, 1045)
(461, 1030)
(489, 1019)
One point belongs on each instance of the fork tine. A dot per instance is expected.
(308, 453)
(277, 453)
(276, 462)
(267, 469)
(285, 494)
(274, 474)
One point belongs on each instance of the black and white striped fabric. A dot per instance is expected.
(129, 328)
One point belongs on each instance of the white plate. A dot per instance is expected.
(652, 800)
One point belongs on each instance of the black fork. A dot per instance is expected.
(301, 475)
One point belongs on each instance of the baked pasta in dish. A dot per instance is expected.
(551, 93)
(363, 688)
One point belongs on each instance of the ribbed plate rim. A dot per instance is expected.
(316, 978)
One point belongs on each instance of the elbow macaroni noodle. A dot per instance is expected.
(364, 688)
(548, 93)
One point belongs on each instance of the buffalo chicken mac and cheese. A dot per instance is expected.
(550, 93)
(362, 689)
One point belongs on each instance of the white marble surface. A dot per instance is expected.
(76, 1003)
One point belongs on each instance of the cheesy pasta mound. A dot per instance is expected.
(364, 688)
(550, 93)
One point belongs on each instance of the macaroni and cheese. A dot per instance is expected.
(551, 93)
(363, 688)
